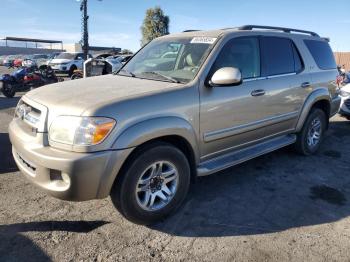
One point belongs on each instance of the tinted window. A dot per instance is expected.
(79, 56)
(66, 56)
(277, 55)
(242, 53)
(322, 54)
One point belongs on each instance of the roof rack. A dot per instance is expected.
(284, 29)
(191, 30)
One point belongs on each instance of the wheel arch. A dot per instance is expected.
(320, 98)
(161, 128)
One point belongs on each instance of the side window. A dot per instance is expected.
(242, 53)
(79, 56)
(277, 56)
(322, 54)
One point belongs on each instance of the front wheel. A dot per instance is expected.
(154, 184)
(8, 90)
(71, 70)
(310, 137)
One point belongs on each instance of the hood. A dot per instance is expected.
(60, 61)
(74, 97)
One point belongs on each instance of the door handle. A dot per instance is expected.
(305, 85)
(258, 92)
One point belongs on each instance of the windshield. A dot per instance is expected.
(172, 59)
(66, 56)
(39, 56)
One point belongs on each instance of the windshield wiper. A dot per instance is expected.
(171, 79)
(125, 71)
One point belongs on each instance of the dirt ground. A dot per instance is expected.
(278, 207)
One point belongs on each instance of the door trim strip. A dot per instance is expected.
(235, 130)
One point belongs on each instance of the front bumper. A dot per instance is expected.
(62, 174)
(60, 68)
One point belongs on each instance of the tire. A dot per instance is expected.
(71, 70)
(75, 76)
(303, 145)
(132, 205)
(8, 90)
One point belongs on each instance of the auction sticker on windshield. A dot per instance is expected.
(203, 40)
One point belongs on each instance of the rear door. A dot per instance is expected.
(286, 83)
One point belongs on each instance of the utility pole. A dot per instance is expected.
(85, 32)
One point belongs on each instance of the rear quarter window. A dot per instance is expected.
(322, 54)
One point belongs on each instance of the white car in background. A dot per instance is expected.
(35, 60)
(51, 57)
(67, 62)
(345, 101)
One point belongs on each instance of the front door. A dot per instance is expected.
(231, 116)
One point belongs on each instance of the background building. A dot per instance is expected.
(343, 59)
(24, 46)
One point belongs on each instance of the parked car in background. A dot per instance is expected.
(8, 61)
(67, 62)
(18, 61)
(35, 60)
(51, 57)
(141, 136)
(97, 66)
(345, 101)
(2, 58)
(121, 58)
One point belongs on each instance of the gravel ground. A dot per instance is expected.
(278, 207)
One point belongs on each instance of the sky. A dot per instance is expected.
(117, 23)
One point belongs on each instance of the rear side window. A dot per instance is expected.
(322, 54)
(278, 56)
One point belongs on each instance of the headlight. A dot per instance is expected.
(344, 93)
(73, 130)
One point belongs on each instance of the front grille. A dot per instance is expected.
(347, 103)
(29, 114)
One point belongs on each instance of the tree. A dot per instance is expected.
(126, 51)
(155, 24)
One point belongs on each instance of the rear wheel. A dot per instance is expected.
(8, 90)
(155, 183)
(310, 137)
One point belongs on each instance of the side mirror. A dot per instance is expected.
(226, 76)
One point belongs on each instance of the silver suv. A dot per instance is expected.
(143, 135)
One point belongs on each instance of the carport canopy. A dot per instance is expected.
(32, 40)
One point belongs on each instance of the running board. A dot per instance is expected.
(237, 157)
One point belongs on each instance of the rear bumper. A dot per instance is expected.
(66, 175)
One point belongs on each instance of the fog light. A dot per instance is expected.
(66, 178)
